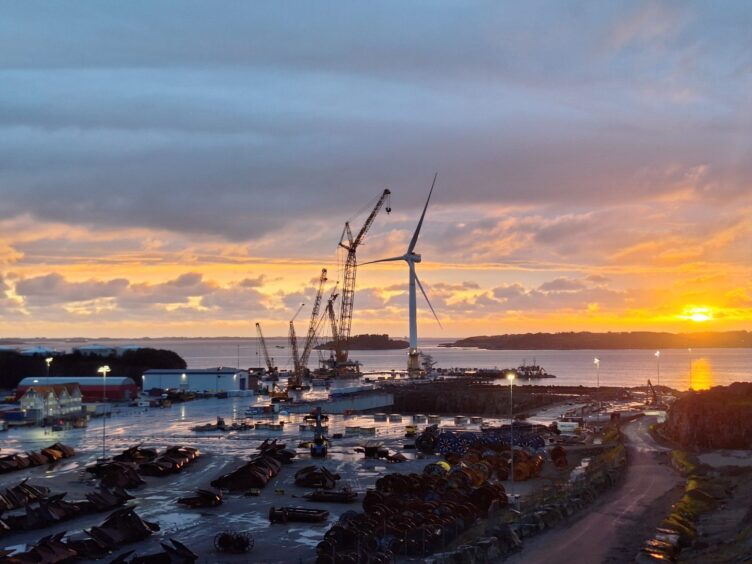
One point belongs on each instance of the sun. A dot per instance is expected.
(697, 314)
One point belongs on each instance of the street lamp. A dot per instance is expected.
(48, 362)
(103, 370)
(690, 368)
(658, 365)
(510, 377)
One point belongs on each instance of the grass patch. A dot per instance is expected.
(611, 434)
(684, 462)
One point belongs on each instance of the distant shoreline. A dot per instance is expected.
(638, 340)
(454, 346)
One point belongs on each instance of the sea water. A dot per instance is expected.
(675, 368)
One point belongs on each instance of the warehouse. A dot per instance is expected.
(211, 380)
(93, 388)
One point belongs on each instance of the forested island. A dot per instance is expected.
(370, 342)
(131, 363)
(622, 340)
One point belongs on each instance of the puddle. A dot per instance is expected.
(176, 521)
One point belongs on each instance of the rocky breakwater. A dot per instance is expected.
(717, 418)
(461, 396)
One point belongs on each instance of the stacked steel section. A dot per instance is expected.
(49, 455)
(413, 514)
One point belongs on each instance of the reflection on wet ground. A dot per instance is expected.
(155, 427)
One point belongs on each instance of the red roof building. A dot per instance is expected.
(93, 388)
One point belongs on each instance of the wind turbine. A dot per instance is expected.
(411, 258)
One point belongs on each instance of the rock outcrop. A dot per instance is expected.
(717, 418)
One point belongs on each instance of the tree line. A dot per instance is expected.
(132, 363)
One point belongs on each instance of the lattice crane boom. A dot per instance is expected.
(267, 359)
(294, 343)
(351, 244)
(313, 326)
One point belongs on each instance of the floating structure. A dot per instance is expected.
(347, 403)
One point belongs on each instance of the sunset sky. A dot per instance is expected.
(185, 169)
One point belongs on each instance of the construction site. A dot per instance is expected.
(290, 485)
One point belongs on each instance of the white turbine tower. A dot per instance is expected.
(411, 257)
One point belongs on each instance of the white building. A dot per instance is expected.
(60, 400)
(209, 380)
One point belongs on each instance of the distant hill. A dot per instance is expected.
(370, 343)
(586, 340)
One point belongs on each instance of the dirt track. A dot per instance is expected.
(599, 535)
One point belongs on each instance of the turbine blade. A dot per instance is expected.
(428, 301)
(382, 260)
(414, 240)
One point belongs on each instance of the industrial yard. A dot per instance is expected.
(221, 452)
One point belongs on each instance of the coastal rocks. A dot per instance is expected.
(462, 396)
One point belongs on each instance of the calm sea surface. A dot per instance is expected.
(709, 367)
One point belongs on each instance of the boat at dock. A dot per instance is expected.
(522, 372)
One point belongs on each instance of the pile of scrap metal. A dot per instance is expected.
(21, 495)
(48, 511)
(345, 495)
(175, 553)
(117, 474)
(234, 542)
(136, 454)
(220, 425)
(481, 465)
(278, 451)
(559, 457)
(297, 514)
(526, 465)
(121, 527)
(203, 498)
(316, 477)
(375, 449)
(259, 470)
(253, 474)
(409, 514)
(433, 439)
(49, 550)
(173, 460)
(49, 455)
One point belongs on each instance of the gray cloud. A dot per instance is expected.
(55, 289)
(244, 120)
(562, 285)
(48, 296)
